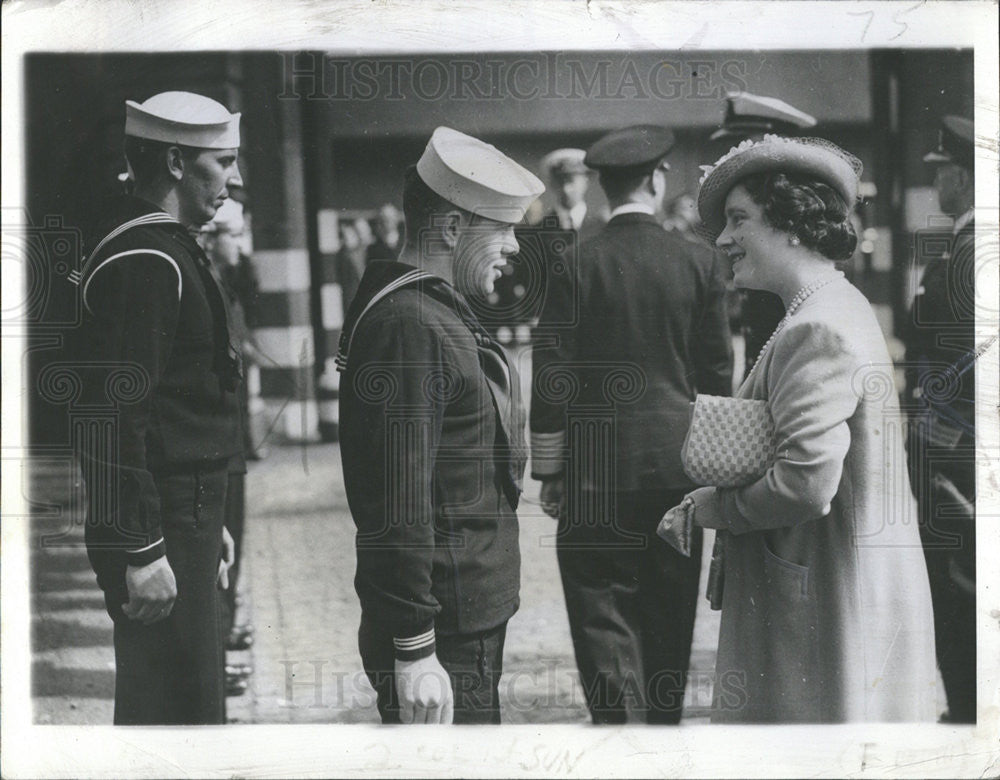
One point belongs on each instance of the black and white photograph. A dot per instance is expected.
(615, 380)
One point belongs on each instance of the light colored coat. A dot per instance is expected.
(826, 614)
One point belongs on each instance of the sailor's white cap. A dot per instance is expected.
(477, 177)
(183, 118)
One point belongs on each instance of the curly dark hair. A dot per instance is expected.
(807, 208)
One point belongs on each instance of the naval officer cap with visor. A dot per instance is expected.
(956, 143)
(749, 115)
(635, 149)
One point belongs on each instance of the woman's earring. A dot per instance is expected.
(794, 241)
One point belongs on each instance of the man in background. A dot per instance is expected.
(634, 328)
(519, 293)
(682, 217)
(388, 238)
(222, 241)
(940, 366)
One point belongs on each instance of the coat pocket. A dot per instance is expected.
(791, 644)
(787, 579)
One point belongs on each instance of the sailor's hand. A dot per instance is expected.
(227, 560)
(424, 691)
(552, 496)
(152, 590)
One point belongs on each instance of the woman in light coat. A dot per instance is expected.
(826, 612)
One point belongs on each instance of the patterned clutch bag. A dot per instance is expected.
(730, 441)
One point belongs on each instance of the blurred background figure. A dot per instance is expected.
(222, 240)
(569, 179)
(351, 260)
(751, 117)
(941, 395)
(388, 234)
(682, 217)
(365, 235)
(517, 296)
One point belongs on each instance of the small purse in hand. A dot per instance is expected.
(677, 526)
(730, 442)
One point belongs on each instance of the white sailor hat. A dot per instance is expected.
(477, 177)
(185, 119)
(564, 162)
(748, 115)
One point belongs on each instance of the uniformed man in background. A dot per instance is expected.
(433, 443)
(221, 239)
(520, 291)
(751, 116)
(154, 533)
(940, 368)
(569, 180)
(628, 335)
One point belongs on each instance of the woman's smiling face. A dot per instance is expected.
(753, 247)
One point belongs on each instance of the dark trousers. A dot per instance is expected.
(171, 672)
(945, 540)
(474, 663)
(631, 601)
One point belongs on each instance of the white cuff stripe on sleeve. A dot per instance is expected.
(548, 452)
(547, 445)
(414, 642)
(148, 546)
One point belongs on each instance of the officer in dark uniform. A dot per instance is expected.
(752, 116)
(156, 315)
(633, 328)
(433, 442)
(940, 368)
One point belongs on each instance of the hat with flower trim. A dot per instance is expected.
(813, 156)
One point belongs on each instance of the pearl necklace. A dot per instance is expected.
(797, 300)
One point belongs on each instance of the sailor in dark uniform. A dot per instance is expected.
(940, 367)
(156, 318)
(753, 116)
(433, 443)
(632, 329)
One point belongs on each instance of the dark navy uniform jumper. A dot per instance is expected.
(151, 302)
